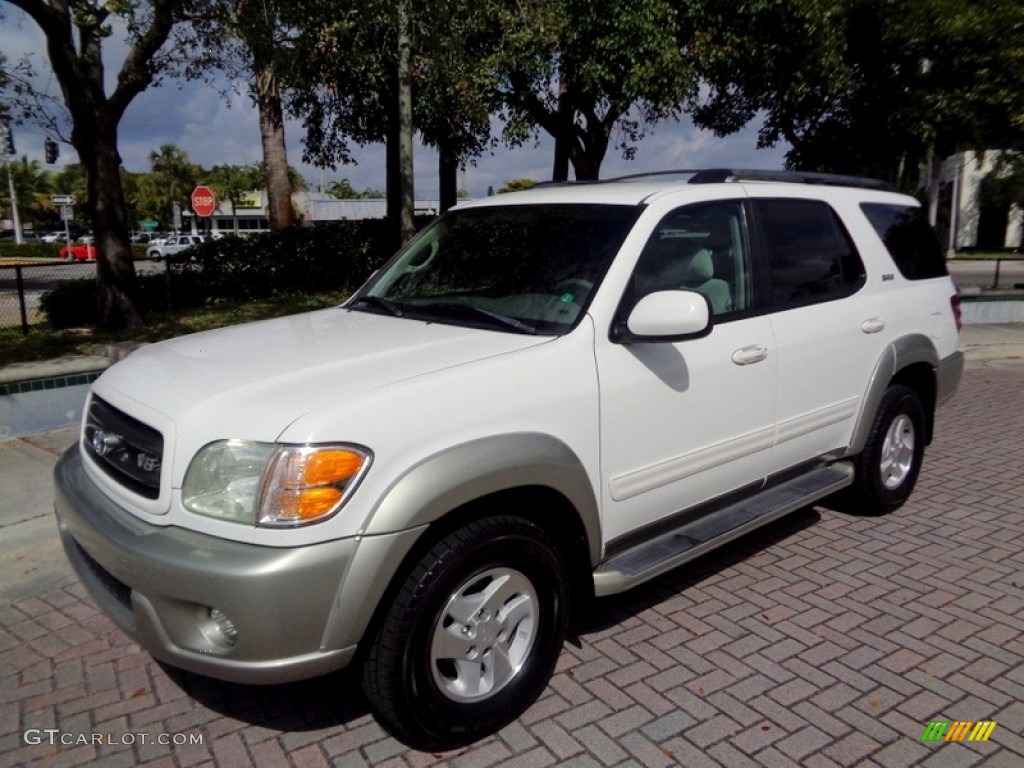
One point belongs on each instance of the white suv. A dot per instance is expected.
(545, 396)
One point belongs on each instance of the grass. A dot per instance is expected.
(42, 342)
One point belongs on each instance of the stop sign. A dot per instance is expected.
(204, 202)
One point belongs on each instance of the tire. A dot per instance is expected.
(155, 255)
(887, 468)
(472, 637)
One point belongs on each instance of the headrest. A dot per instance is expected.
(701, 267)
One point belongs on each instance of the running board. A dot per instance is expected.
(670, 550)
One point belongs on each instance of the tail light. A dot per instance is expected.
(954, 304)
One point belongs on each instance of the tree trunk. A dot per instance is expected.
(115, 267)
(392, 166)
(448, 175)
(564, 130)
(586, 160)
(275, 155)
(407, 225)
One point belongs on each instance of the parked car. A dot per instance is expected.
(78, 252)
(52, 237)
(172, 245)
(547, 395)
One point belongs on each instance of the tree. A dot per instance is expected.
(342, 190)
(457, 87)
(347, 86)
(174, 178)
(254, 38)
(32, 185)
(865, 86)
(514, 185)
(74, 34)
(580, 69)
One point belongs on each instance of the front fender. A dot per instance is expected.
(467, 472)
(436, 486)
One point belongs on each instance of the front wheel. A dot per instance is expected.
(888, 467)
(473, 635)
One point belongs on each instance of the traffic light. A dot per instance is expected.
(52, 151)
(6, 139)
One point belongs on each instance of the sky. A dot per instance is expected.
(218, 126)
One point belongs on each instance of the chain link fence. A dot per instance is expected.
(22, 285)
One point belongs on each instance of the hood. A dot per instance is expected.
(257, 378)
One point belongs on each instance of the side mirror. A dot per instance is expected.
(665, 316)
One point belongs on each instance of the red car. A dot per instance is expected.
(78, 252)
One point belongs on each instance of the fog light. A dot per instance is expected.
(219, 629)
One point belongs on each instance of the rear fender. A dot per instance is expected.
(901, 354)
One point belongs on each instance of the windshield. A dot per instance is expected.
(522, 268)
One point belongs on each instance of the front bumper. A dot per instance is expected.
(160, 583)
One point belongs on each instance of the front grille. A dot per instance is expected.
(127, 450)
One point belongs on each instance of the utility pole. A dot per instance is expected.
(7, 147)
(18, 238)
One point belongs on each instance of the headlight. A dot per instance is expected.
(271, 485)
(224, 479)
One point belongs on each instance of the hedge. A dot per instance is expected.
(75, 303)
(29, 250)
(316, 259)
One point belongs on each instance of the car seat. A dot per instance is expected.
(700, 277)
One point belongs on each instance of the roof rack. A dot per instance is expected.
(719, 175)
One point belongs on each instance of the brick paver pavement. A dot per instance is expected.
(825, 640)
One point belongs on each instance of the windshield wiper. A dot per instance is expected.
(391, 307)
(503, 320)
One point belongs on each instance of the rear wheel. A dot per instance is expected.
(473, 635)
(888, 467)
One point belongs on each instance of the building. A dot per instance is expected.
(977, 221)
(250, 213)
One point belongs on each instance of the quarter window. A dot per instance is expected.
(810, 256)
(909, 238)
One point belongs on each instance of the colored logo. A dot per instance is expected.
(958, 730)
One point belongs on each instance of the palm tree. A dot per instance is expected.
(176, 176)
(32, 186)
(231, 182)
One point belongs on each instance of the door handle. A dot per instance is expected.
(872, 325)
(754, 353)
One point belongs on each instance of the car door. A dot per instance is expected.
(826, 328)
(687, 422)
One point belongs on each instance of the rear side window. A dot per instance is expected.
(810, 256)
(908, 236)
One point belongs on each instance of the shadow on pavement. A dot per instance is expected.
(609, 612)
(323, 702)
